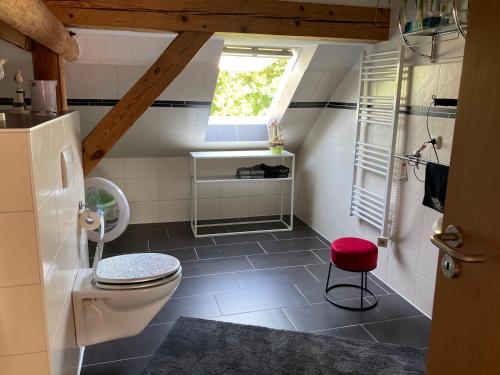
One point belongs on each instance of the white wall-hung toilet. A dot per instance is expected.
(120, 295)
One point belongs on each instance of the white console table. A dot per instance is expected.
(258, 154)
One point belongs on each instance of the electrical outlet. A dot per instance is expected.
(439, 142)
(382, 241)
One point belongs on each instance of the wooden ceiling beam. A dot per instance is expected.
(11, 35)
(140, 96)
(33, 19)
(270, 17)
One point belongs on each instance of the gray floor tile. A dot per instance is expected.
(255, 227)
(136, 241)
(180, 232)
(145, 343)
(242, 290)
(255, 299)
(213, 230)
(297, 222)
(240, 238)
(325, 241)
(312, 290)
(296, 258)
(267, 318)
(258, 218)
(356, 332)
(215, 221)
(324, 316)
(213, 266)
(273, 277)
(220, 251)
(204, 306)
(320, 271)
(182, 254)
(292, 245)
(125, 367)
(352, 292)
(387, 288)
(156, 226)
(394, 306)
(324, 254)
(192, 286)
(407, 331)
(297, 232)
(178, 242)
(315, 291)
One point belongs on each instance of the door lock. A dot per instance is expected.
(449, 267)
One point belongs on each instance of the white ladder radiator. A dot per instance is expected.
(375, 111)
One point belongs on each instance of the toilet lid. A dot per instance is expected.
(135, 268)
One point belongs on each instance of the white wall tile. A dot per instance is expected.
(265, 188)
(89, 81)
(141, 167)
(174, 210)
(422, 84)
(144, 212)
(402, 279)
(234, 207)
(425, 296)
(211, 190)
(141, 189)
(323, 180)
(174, 188)
(110, 168)
(141, 140)
(449, 80)
(264, 205)
(19, 263)
(127, 76)
(209, 208)
(173, 167)
(234, 189)
(407, 250)
(428, 260)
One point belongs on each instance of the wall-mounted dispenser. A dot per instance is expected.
(43, 98)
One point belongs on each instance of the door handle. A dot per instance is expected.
(450, 241)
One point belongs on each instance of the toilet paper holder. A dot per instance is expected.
(90, 219)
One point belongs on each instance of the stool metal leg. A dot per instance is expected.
(363, 289)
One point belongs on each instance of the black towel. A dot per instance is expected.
(278, 171)
(436, 180)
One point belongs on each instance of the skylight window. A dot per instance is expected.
(250, 79)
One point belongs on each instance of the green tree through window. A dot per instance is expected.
(244, 93)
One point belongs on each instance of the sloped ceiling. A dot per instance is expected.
(112, 61)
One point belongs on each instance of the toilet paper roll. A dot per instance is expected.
(90, 220)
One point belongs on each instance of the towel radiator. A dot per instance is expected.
(371, 158)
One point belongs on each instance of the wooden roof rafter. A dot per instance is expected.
(270, 17)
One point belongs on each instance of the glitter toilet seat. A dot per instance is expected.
(132, 271)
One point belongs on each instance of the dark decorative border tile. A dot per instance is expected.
(441, 112)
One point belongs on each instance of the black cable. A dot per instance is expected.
(415, 173)
(428, 131)
(415, 167)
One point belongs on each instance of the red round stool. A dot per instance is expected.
(355, 255)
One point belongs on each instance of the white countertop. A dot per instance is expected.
(239, 154)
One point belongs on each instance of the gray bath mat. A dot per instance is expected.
(197, 346)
